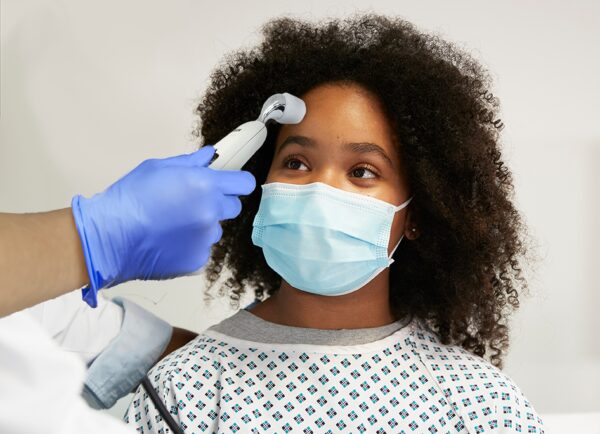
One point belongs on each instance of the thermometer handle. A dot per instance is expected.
(237, 147)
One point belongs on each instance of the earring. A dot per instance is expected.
(414, 229)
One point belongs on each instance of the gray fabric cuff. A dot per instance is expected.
(126, 360)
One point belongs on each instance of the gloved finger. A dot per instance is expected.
(218, 233)
(235, 182)
(232, 206)
(202, 260)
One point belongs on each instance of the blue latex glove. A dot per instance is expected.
(157, 222)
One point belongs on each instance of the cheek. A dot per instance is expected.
(270, 176)
(397, 230)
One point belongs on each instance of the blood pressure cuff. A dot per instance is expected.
(123, 364)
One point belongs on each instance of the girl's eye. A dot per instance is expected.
(294, 164)
(359, 172)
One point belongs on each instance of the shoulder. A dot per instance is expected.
(203, 353)
(486, 397)
(176, 379)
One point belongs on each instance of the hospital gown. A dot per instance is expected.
(249, 375)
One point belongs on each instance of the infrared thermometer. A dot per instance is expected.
(237, 147)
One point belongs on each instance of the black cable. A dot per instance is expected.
(160, 406)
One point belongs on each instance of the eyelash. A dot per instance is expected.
(295, 157)
(291, 157)
(369, 168)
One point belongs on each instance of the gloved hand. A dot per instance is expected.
(157, 222)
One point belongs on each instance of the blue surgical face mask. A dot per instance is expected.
(321, 239)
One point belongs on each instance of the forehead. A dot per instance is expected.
(338, 113)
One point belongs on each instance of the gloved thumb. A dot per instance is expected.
(199, 158)
(202, 156)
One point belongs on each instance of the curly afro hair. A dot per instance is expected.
(463, 275)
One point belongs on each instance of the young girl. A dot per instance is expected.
(383, 247)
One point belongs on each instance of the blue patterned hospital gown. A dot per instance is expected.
(406, 382)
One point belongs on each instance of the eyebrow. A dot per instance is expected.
(356, 147)
(300, 140)
(367, 148)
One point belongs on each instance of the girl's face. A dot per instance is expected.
(344, 140)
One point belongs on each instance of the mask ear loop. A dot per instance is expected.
(403, 204)
(396, 209)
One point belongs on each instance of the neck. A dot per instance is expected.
(367, 307)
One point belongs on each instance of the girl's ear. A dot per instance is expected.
(411, 229)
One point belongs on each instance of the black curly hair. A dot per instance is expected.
(463, 275)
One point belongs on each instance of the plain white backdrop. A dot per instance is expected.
(90, 89)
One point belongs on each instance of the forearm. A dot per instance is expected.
(40, 258)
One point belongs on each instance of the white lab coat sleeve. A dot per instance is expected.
(40, 385)
(76, 327)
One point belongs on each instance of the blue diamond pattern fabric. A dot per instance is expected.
(408, 382)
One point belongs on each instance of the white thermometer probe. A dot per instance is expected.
(237, 147)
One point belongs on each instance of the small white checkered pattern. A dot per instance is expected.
(407, 382)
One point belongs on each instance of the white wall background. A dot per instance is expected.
(89, 89)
